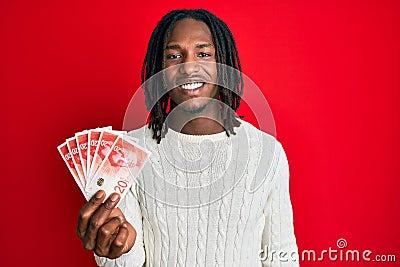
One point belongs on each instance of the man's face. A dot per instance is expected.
(191, 43)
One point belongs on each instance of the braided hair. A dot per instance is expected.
(226, 54)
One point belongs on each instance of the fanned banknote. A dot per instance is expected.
(103, 159)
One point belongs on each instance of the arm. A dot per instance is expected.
(278, 235)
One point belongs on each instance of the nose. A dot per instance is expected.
(189, 66)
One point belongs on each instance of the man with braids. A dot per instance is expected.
(215, 191)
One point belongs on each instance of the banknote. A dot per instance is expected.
(103, 158)
(106, 140)
(67, 157)
(73, 149)
(120, 167)
(82, 143)
(93, 140)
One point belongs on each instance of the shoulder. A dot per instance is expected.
(256, 135)
(269, 150)
(143, 134)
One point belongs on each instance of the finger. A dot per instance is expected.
(117, 213)
(119, 246)
(87, 211)
(98, 219)
(106, 235)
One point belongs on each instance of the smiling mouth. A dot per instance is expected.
(192, 85)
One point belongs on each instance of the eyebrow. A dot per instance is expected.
(176, 47)
(203, 45)
(173, 47)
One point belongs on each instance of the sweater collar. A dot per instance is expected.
(198, 138)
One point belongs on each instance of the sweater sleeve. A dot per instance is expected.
(278, 240)
(136, 256)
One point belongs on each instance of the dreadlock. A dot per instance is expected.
(226, 54)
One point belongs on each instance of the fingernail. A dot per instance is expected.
(114, 197)
(99, 194)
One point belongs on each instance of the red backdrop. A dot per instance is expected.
(329, 69)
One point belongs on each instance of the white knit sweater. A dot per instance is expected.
(210, 200)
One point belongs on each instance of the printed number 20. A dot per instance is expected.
(120, 187)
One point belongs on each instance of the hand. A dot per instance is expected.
(103, 228)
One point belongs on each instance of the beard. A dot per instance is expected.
(193, 109)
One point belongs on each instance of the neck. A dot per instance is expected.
(206, 122)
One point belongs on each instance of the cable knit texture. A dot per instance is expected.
(210, 200)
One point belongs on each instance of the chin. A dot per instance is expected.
(193, 109)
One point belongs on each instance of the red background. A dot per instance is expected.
(329, 69)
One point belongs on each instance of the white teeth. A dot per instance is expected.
(191, 86)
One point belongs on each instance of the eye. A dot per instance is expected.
(173, 56)
(202, 54)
